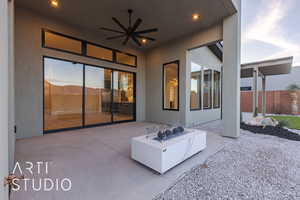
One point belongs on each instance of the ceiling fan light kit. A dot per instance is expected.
(130, 32)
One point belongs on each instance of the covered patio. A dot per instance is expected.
(63, 74)
(264, 69)
(97, 161)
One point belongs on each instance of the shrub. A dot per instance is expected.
(283, 123)
(293, 87)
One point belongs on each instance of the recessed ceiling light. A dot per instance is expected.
(196, 16)
(54, 3)
(144, 40)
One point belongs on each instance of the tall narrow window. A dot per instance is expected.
(207, 89)
(171, 86)
(63, 94)
(217, 89)
(195, 96)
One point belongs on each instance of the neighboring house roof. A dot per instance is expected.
(280, 82)
(268, 67)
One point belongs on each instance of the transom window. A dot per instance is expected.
(65, 43)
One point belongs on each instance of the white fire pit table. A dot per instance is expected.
(162, 156)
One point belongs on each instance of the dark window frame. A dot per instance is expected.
(83, 96)
(219, 93)
(128, 54)
(98, 45)
(84, 44)
(62, 35)
(200, 93)
(163, 86)
(211, 89)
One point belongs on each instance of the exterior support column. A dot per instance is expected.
(255, 93)
(264, 109)
(11, 85)
(232, 73)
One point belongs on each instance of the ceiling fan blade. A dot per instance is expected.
(115, 37)
(126, 40)
(136, 24)
(117, 22)
(136, 40)
(112, 30)
(145, 37)
(146, 31)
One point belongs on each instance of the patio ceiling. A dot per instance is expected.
(173, 18)
(268, 67)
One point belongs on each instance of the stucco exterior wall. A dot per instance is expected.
(29, 68)
(203, 57)
(11, 86)
(4, 84)
(155, 58)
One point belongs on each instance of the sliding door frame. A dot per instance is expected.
(83, 96)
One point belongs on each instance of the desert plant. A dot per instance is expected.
(283, 123)
(293, 88)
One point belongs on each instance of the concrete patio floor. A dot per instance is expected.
(97, 161)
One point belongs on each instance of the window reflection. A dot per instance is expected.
(99, 52)
(109, 95)
(195, 96)
(217, 89)
(123, 98)
(60, 42)
(171, 86)
(62, 94)
(97, 95)
(126, 59)
(207, 89)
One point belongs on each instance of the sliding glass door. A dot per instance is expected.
(63, 94)
(123, 96)
(78, 95)
(97, 95)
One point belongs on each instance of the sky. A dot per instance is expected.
(270, 29)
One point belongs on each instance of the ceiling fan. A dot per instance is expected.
(130, 31)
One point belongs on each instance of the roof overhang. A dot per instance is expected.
(217, 49)
(173, 18)
(268, 67)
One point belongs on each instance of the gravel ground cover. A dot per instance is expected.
(252, 167)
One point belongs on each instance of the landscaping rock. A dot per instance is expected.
(262, 121)
(269, 122)
(252, 167)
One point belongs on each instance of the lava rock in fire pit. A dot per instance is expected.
(168, 132)
(175, 130)
(178, 129)
(161, 135)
